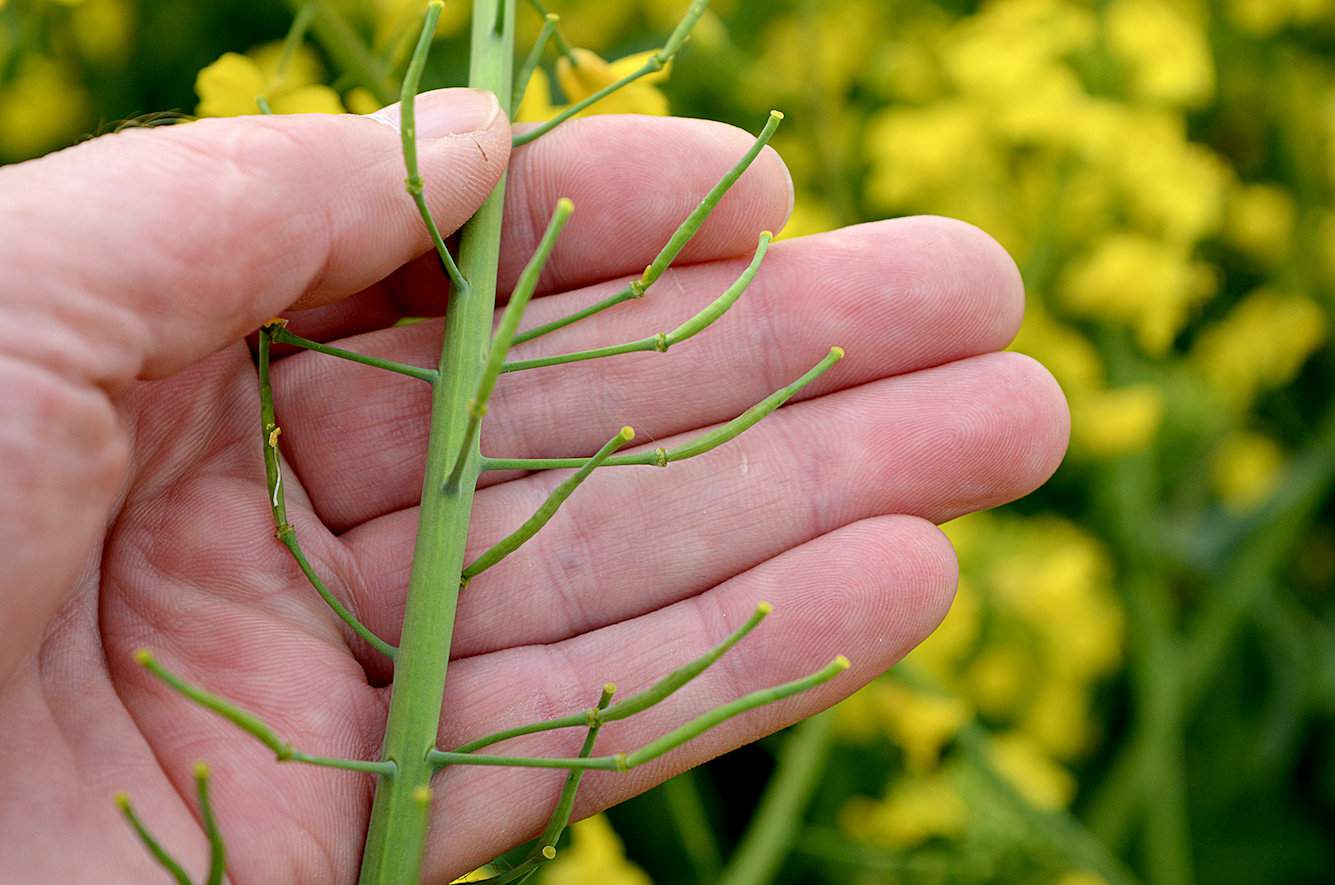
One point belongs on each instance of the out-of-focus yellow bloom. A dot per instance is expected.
(1107, 423)
(1030, 771)
(595, 855)
(941, 654)
(104, 30)
(361, 101)
(1265, 17)
(1261, 344)
(1167, 57)
(810, 216)
(1058, 717)
(1080, 877)
(916, 808)
(1246, 468)
(1260, 221)
(1146, 284)
(590, 74)
(1063, 350)
(1001, 677)
(232, 85)
(918, 722)
(41, 106)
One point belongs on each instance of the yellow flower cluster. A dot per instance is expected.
(1035, 628)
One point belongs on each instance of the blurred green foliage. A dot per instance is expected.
(1137, 681)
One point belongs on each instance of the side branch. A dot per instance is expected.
(700, 445)
(544, 514)
(500, 343)
(684, 233)
(531, 62)
(280, 334)
(653, 64)
(252, 724)
(664, 744)
(663, 340)
(545, 849)
(168, 863)
(408, 131)
(636, 703)
(273, 468)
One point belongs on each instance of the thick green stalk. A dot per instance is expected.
(396, 837)
(773, 831)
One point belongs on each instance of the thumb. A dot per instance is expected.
(134, 255)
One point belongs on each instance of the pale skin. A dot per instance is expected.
(134, 509)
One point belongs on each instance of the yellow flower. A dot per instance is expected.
(1260, 221)
(590, 74)
(1135, 281)
(1030, 771)
(1080, 877)
(595, 855)
(1261, 344)
(104, 30)
(915, 809)
(41, 107)
(1167, 57)
(1107, 423)
(1246, 469)
(232, 85)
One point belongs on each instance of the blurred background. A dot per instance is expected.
(1137, 680)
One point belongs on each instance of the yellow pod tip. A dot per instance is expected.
(764, 608)
(565, 205)
(422, 795)
(776, 115)
(122, 800)
(202, 771)
(837, 352)
(842, 662)
(628, 433)
(549, 852)
(143, 657)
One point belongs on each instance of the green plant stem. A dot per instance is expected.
(283, 336)
(664, 744)
(396, 835)
(166, 861)
(217, 850)
(662, 341)
(347, 50)
(273, 468)
(637, 703)
(700, 445)
(772, 832)
(690, 818)
(252, 724)
(505, 331)
(562, 45)
(532, 61)
(408, 135)
(544, 513)
(1058, 828)
(684, 233)
(655, 63)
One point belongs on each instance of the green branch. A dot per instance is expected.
(544, 514)
(562, 45)
(664, 744)
(165, 860)
(652, 65)
(637, 703)
(700, 445)
(280, 334)
(252, 724)
(662, 341)
(408, 134)
(532, 61)
(505, 331)
(684, 233)
(217, 850)
(273, 468)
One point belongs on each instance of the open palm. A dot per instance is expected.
(134, 511)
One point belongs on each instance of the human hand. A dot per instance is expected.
(134, 511)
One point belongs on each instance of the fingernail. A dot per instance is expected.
(455, 112)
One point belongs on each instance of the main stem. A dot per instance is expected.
(396, 837)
